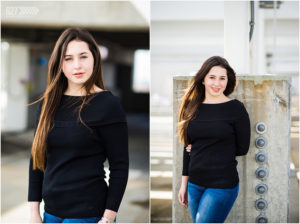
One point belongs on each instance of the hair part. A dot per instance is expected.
(57, 84)
(195, 94)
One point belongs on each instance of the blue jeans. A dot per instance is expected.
(48, 218)
(210, 205)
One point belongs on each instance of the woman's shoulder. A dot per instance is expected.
(105, 108)
(106, 100)
(237, 103)
(238, 107)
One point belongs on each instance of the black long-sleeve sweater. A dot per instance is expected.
(73, 185)
(218, 134)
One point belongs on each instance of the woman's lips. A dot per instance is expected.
(215, 89)
(78, 75)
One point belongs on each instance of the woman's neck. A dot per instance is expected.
(81, 92)
(218, 99)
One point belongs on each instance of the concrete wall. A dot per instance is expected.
(267, 99)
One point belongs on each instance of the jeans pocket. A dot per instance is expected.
(48, 218)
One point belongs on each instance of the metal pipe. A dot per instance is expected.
(251, 20)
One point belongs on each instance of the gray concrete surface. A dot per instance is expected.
(14, 169)
(161, 169)
(114, 14)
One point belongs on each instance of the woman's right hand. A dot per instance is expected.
(182, 196)
(35, 219)
(189, 148)
(34, 212)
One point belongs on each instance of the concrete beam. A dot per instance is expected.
(102, 15)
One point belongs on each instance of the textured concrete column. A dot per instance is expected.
(267, 99)
(236, 35)
(180, 214)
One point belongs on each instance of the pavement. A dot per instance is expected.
(161, 161)
(15, 154)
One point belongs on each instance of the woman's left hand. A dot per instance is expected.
(104, 220)
(108, 216)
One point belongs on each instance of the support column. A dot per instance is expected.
(236, 35)
(257, 44)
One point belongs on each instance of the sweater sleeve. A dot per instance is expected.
(35, 176)
(115, 139)
(186, 161)
(242, 133)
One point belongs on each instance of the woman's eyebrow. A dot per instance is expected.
(79, 54)
(222, 76)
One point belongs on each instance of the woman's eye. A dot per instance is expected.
(84, 57)
(67, 59)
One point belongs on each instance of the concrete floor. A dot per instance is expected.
(161, 160)
(15, 150)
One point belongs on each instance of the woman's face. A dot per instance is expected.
(215, 81)
(78, 63)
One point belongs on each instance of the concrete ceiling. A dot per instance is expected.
(115, 22)
(96, 15)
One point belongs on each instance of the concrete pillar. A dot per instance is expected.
(257, 44)
(236, 35)
(14, 86)
(267, 100)
(180, 214)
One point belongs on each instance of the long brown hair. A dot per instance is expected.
(57, 84)
(195, 94)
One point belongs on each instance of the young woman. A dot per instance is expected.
(216, 129)
(79, 125)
